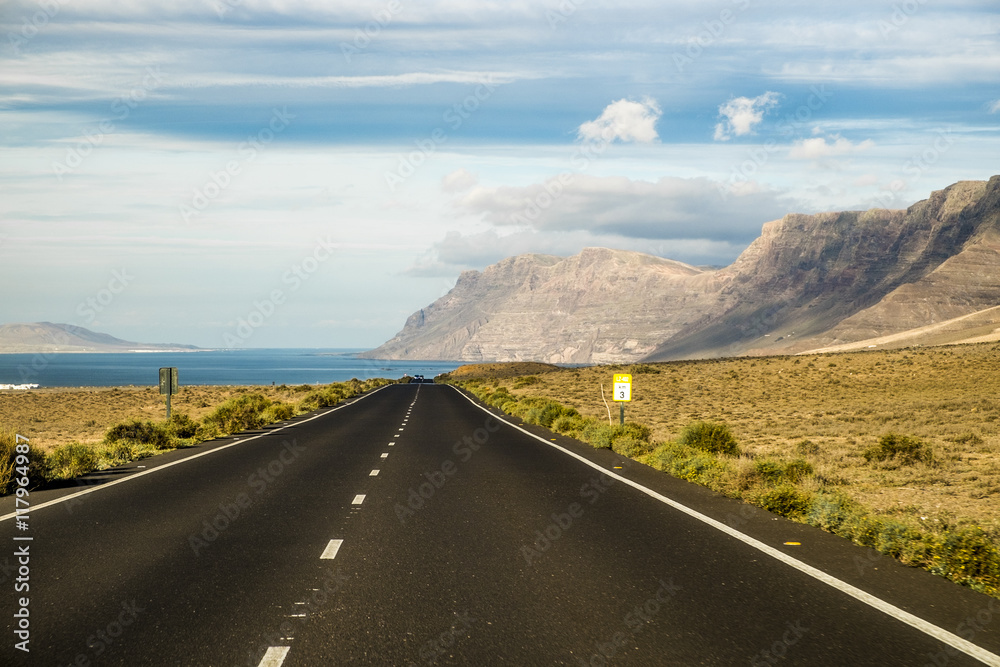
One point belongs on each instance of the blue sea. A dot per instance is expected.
(215, 367)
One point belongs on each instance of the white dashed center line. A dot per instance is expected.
(373, 473)
(331, 549)
(358, 499)
(385, 455)
(274, 656)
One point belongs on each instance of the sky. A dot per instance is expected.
(307, 173)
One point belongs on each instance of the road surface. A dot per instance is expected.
(413, 527)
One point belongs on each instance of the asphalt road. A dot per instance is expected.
(475, 543)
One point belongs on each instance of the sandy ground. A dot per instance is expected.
(841, 403)
(55, 416)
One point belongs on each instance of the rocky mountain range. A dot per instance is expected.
(46, 337)
(926, 275)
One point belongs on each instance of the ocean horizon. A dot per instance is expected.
(261, 366)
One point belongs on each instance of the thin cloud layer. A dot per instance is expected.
(670, 208)
(818, 148)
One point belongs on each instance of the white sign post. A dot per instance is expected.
(623, 393)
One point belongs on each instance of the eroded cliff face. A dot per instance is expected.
(599, 306)
(808, 281)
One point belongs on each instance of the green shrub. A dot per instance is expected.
(900, 448)
(72, 460)
(701, 468)
(37, 469)
(806, 447)
(240, 414)
(710, 437)
(968, 556)
(629, 445)
(797, 469)
(599, 434)
(785, 500)
(279, 412)
(140, 433)
(548, 412)
(526, 381)
(182, 426)
(769, 472)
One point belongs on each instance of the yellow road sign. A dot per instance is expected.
(623, 387)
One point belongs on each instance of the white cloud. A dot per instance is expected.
(669, 208)
(457, 251)
(818, 148)
(459, 180)
(742, 114)
(995, 106)
(624, 120)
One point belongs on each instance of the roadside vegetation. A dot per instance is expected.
(895, 450)
(137, 438)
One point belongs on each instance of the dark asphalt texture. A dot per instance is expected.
(475, 544)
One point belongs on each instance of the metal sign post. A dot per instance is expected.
(622, 394)
(168, 385)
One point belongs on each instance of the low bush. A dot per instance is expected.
(899, 448)
(797, 470)
(279, 412)
(9, 472)
(710, 437)
(181, 426)
(72, 460)
(785, 500)
(140, 433)
(239, 414)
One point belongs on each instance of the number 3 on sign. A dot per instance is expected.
(623, 387)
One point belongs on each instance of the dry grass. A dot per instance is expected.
(56, 416)
(828, 409)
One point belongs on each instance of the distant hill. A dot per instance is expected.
(46, 337)
(929, 274)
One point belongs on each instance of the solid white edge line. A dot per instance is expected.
(274, 657)
(916, 622)
(332, 547)
(239, 441)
